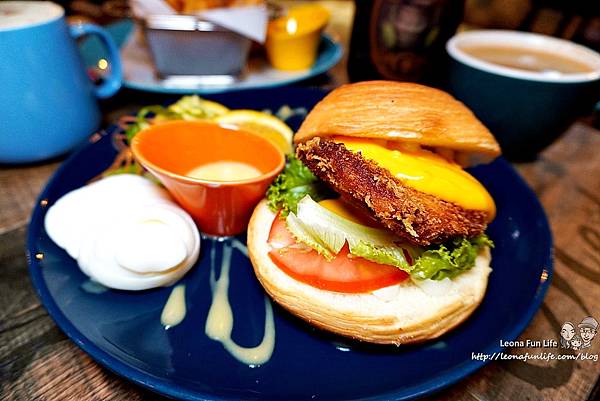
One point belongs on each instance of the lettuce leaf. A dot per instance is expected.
(331, 231)
(141, 120)
(186, 108)
(189, 108)
(294, 183)
(388, 255)
(320, 233)
(301, 234)
(327, 232)
(450, 259)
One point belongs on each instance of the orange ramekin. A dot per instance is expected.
(220, 208)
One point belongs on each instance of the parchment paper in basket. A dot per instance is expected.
(250, 21)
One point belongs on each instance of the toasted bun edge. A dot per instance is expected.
(399, 111)
(401, 314)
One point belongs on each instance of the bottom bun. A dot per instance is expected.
(400, 314)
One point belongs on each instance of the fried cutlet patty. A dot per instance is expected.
(420, 218)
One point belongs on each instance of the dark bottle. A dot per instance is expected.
(402, 40)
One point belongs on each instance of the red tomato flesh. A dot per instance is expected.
(345, 273)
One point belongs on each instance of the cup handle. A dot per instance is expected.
(113, 81)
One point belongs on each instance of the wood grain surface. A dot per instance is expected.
(38, 362)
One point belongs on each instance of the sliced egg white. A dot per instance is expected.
(152, 247)
(125, 232)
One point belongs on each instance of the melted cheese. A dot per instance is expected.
(427, 172)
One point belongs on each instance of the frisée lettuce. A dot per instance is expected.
(449, 260)
(294, 183)
(187, 108)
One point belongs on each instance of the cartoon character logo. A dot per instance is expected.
(567, 332)
(576, 342)
(588, 329)
(571, 339)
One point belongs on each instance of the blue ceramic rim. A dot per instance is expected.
(172, 390)
(457, 54)
(313, 72)
(39, 23)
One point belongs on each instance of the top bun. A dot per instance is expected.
(399, 111)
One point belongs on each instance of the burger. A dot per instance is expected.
(374, 230)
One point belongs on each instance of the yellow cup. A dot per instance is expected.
(293, 40)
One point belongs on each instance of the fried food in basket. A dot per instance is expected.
(194, 6)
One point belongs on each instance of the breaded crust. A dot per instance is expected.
(420, 218)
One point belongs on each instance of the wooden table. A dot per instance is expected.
(37, 361)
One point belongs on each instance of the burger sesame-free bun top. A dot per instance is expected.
(399, 111)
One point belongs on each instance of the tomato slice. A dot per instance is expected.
(345, 273)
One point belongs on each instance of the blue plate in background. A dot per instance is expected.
(122, 330)
(139, 72)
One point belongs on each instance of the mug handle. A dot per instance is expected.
(112, 83)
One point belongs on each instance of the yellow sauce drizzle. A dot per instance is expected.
(219, 323)
(224, 171)
(174, 311)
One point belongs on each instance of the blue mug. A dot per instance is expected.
(525, 108)
(48, 104)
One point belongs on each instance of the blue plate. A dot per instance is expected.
(139, 72)
(122, 330)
